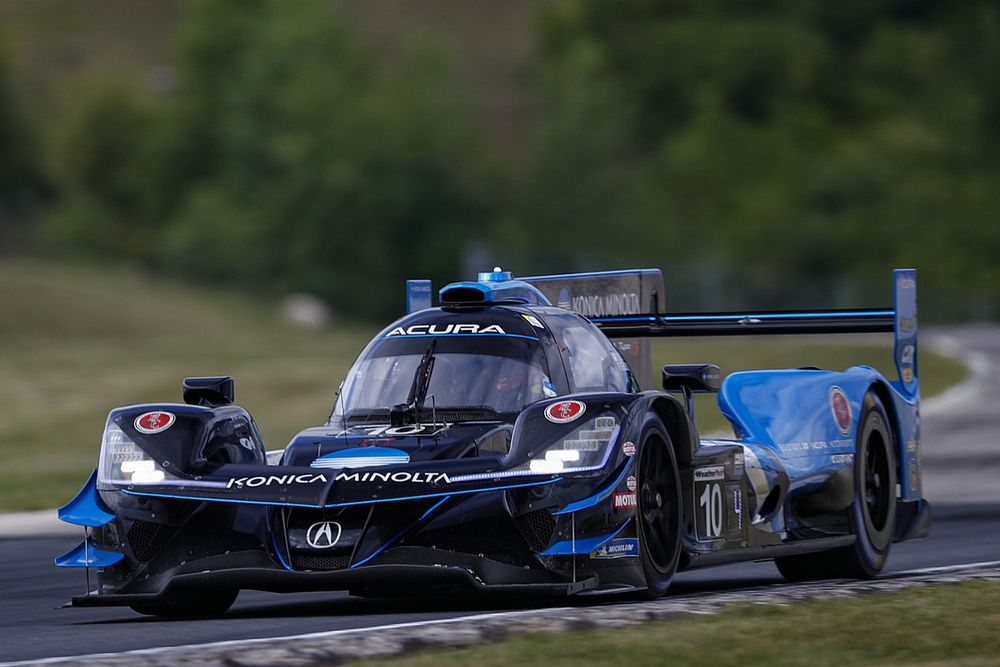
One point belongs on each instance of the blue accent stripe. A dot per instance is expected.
(474, 335)
(597, 497)
(367, 452)
(582, 546)
(741, 316)
(271, 503)
(274, 543)
(392, 540)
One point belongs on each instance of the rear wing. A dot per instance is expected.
(873, 320)
(628, 306)
(900, 320)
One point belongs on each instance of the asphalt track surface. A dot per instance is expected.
(962, 480)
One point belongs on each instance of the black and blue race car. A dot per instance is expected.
(498, 442)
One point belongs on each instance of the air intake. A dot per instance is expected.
(496, 286)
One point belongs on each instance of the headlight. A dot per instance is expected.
(586, 447)
(123, 462)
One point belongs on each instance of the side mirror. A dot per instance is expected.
(691, 379)
(210, 392)
(697, 378)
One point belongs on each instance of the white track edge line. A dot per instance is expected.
(258, 640)
(944, 568)
(412, 624)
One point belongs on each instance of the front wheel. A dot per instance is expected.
(872, 515)
(659, 507)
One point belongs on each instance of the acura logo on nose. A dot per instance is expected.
(323, 534)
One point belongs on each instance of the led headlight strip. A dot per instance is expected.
(556, 459)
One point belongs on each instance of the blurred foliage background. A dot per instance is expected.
(763, 153)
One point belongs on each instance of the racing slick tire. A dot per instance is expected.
(871, 516)
(658, 512)
(190, 604)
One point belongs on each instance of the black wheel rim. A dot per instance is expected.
(658, 504)
(875, 481)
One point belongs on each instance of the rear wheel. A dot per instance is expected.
(659, 507)
(872, 515)
(190, 604)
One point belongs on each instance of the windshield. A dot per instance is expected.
(489, 374)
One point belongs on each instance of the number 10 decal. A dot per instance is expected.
(710, 512)
(711, 501)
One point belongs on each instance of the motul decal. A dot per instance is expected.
(621, 501)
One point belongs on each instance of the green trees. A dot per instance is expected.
(808, 145)
(282, 160)
(764, 153)
(22, 184)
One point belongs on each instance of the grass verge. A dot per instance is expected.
(939, 625)
(77, 342)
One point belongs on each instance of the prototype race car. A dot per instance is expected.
(500, 443)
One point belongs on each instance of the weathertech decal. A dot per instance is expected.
(841, 409)
(401, 477)
(709, 474)
(445, 330)
(154, 422)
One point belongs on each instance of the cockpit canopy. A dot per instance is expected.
(484, 363)
(460, 374)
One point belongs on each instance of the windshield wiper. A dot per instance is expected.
(407, 412)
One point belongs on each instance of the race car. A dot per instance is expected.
(499, 443)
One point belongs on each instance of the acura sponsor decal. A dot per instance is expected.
(445, 330)
(323, 534)
(401, 477)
